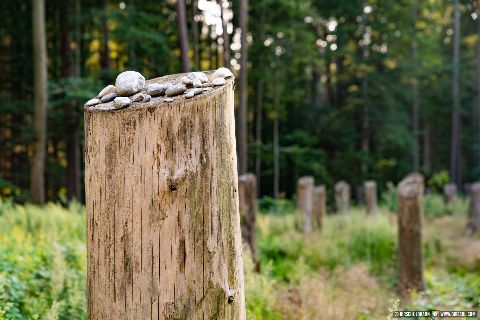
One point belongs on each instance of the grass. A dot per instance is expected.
(344, 271)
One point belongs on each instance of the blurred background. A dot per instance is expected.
(337, 89)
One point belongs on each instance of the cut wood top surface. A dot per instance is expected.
(163, 100)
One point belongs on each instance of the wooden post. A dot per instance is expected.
(342, 196)
(319, 205)
(163, 226)
(247, 191)
(304, 201)
(370, 188)
(449, 193)
(474, 210)
(410, 216)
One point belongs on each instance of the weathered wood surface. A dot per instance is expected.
(163, 225)
(342, 196)
(319, 205)
(449, 193)
(305, 201)
(410, 220)
(370, 189)
(474, 210)
(247, 191)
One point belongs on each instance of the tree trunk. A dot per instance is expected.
(427, 148)
(319, 205)
(243, 88)
(196, 50)
(449, 193)
(247, 192)
(182, 34)
(477, 105)
(410, 216)
(415, 102)
(305, 201)
(455, 150)
(370, 188)
(163, 224)
(71, 121)
(474, 210)
(37, 175)
(342, 197)
(258, 134)
(105, 61)
(276, 137)
(225, 36)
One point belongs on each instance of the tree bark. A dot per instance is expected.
(225, 36)
(243, 88)
(410, 219)
(427, 148)
(196, 50)
(342, 197)
(37, 176)
(276, 136)
(449, 193)
(70, 116)
(477, 105)
(319, 205)
(370, 188)
(247, 192)
(163, 223)
(305, 201)
(258, 135)
(105, 61)
(474, 210)
(455, 151)
(182, 34)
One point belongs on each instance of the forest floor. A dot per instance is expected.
(344, 271)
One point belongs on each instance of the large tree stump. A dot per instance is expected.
(304, 201)
(474, 209)
(342, 196)
(449, 193)
(319, 205)
(163, 225)
(410, 216)
(247, 191)
(370, 189)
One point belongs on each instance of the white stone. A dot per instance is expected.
(176, 90)
(129, 82)
(121, 102)
(200, 75)
(168, 99)
(108, 89)
(186, 80)
(156, 89)
(218, 81)
(92, 102)
(189, 94)
(222, 73)
(146, 98)
(197, 83)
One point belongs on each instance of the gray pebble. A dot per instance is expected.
(121, 102)
(137, 97)
(129, 82)
(197, 83)
(186, 80)
(156, 89)
(176, 90)
(92, 102)
(107, 90)
(168, 99)
(146, 98)
(218, 81)
(108, 97)
(189, 94)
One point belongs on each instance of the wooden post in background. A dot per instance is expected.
(370, 189)
(163, 225)
(304, 201)
(247, 191)
(342, 196)
(410, 219)
(474, 210)
(449, 193)
(319, 205)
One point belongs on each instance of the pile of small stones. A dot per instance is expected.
(130, 87)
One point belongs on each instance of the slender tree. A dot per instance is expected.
(415, 102)
(225, 36)
(455, 151)
(182, 34)
(477, 105)
(196, 52)
(243, 87)
(71, 121)
(105, 61)
(37, 178)
(276, 133)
